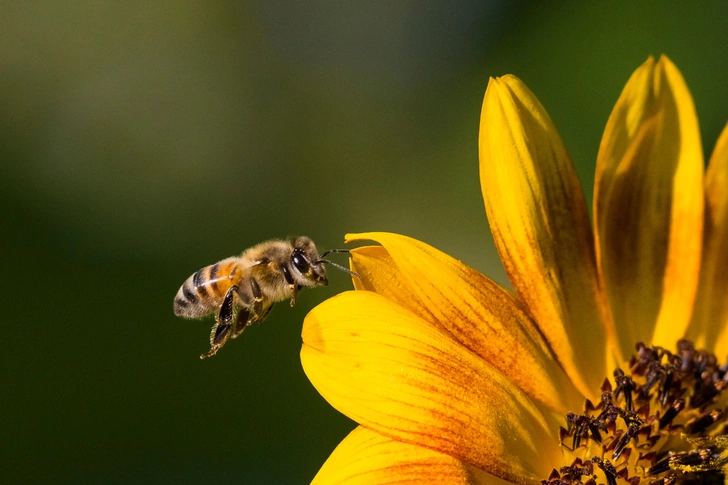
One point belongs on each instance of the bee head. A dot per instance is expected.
(307, 269)
(309, 266)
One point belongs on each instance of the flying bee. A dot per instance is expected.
(242, 289)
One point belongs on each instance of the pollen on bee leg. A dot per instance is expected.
(662, 422)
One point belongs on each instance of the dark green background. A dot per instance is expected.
(140, 142)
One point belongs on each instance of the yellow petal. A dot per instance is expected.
(648, 206)
(389, 370)
(366, 457)
(473, 309)
(709, 326)
(540, 224)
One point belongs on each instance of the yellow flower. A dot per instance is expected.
(454, 379)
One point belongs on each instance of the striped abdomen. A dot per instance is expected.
(203, 292)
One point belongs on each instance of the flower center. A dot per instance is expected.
(663, 423)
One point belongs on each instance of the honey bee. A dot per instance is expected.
(242, 289)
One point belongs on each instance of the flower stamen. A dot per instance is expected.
(662, 424)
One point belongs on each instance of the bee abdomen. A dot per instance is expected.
(188, 302)
(202, 292)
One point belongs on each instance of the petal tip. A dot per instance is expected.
(664, 59)
(362, 236)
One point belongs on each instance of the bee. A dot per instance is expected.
(242, 289)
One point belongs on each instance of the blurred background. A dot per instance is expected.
(141, 141)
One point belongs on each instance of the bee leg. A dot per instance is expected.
(221, 330)
(294, 293)
(241, 322)
(257, 302)
(266, 312)
(291, 283)
(218, 337)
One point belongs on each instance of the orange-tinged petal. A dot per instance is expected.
(389, 370)
(477, 312)
(541, 228)
(709, 327)
(366, 457)
(648, 206)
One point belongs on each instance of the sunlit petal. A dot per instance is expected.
(648, 205)
(476, 311)
(389, 370)
(366, 457)
(709, 327)
(540, 224)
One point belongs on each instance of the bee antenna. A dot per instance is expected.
(342, 268)
(326, 253)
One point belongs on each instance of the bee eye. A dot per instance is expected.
(299, 261)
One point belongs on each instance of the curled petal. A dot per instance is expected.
(709, 327)
(477, 312)
(541, 228)
(648, 206)
(389, 370)
(366, 457)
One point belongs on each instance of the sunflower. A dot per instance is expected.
(600, 367)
